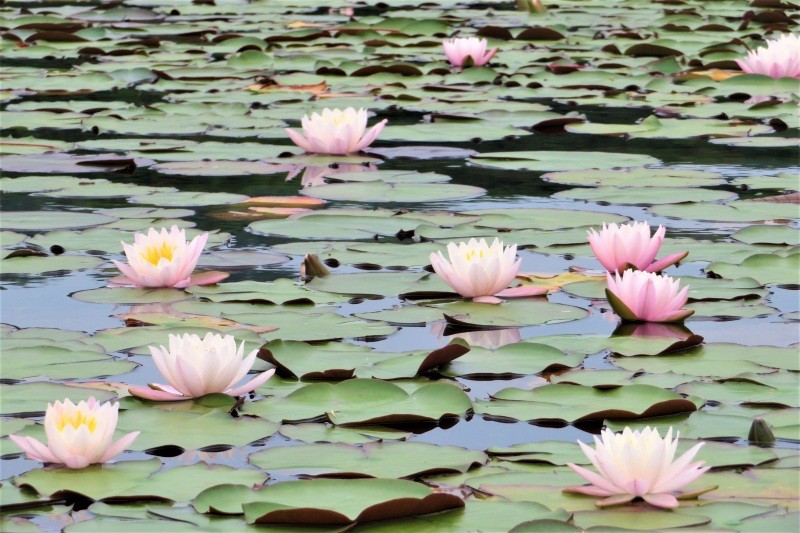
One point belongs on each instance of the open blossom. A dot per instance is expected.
(780, 58)
(621, 246)
(459, 49)
(195, 367)
(477, 270)
(638, 296)
(161, 259)
(77, 435)
(336, 132)
(637, 464)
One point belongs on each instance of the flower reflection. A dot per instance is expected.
(314, 175)
(653, 329)
(491, 339)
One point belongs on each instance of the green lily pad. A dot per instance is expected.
(187, 199)
(512, 360)
(766, 268)
(738, 211)
(314, 432)
(645, 196)
(32, 398)
(135, 480)
(364, 402)
(651, 177)
(571, 403)
(337, 226)
(382, 192)
(45, 264)
(556, 160)
(716, 360)
(61, 362)
(191, 430)
(51, 220)
(378, 283)
(278, 292)
(326, 501)
(511, 313)
(375, 459)
(765, 234)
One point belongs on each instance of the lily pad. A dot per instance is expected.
(327, 501)
(557, 160)
(375, 459)
(571, 403)
(365, 402)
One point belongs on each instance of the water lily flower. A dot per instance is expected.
(164, 259)
(638, 296)
(637, 464)
(780, 58)
(476, 270)
(77, 435)
(195, 367)
(619, 247)
(459, 49)
(336, 132)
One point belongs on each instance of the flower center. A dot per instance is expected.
(479, 254)
(154, 254)
(77, 420)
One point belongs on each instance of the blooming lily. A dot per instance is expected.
(336, 131)
(195, 367)
(780, 58)
(77, 435)
(459, 49)
(619, 247)
(164, 259)
(482, 272)
(638, 296)
(637, 464)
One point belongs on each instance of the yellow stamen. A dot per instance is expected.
(76, 420)
(154, 254)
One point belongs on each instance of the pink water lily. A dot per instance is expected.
(638, 296)
(164, 259)
(780, 58)
(77, 435)
(623, 246)
(195, 367)
(637, 464)
(336, 131)
(459, 49)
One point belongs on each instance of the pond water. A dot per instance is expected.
(148, 114)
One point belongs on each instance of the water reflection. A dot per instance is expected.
(314, 175)
(491, 339)
(653, 329)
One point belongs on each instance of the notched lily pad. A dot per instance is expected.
(374, 459)
(570, 403)
(333, 502)
(365, 402)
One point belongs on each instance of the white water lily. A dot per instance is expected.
(477, 270)
(161, 259)
(195, 367)
(77, 435)
(637, 464)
